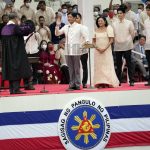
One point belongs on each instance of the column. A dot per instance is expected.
(85, 7)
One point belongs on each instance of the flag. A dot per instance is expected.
(37, 130)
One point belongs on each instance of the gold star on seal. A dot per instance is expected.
(85, 127)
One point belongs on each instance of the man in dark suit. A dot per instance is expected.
(138, 56)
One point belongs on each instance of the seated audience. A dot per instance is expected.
(47, 12)
(138, 56)
(47, 66)
(27, 11)
(10, 8)
(43, 29)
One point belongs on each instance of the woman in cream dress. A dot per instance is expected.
(104, 71)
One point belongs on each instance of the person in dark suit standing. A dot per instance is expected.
(15, 65)
(140, 60)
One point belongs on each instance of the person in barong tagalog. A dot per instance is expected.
(73, 33)
(15, 65)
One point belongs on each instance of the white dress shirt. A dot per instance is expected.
(130, 15)
(124, 34)
(73, 33)
(44, 33)
(143, 17)
(28, 12)
(48, 14)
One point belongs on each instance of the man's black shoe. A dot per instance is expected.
(146, 78)
(11, 91)
(70, 89)
(77, 88)
(131, 83)
(18, 92)
(30, 87)
(147, 84)
(84, 86)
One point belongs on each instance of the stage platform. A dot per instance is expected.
(29, 121)
(61, 89)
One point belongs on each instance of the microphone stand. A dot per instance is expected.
(90, 87)
(89, 46)
(44, 89)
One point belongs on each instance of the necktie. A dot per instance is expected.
(142, 50)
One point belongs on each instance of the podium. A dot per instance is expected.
(89, 46)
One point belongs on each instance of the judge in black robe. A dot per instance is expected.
(15, 65)
(5, 20)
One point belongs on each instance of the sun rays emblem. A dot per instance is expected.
(84, 124)
(85, 127)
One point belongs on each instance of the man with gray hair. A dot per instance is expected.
(15, 65)
(56, 39)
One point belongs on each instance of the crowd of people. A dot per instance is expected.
(121, 38)
(131, 40)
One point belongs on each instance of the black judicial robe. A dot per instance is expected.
(15, 63)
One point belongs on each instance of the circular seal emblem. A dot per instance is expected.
(84, 124)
